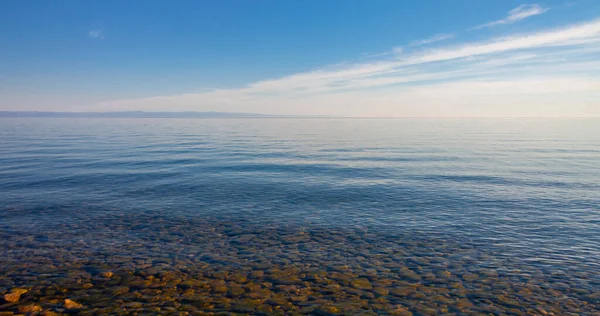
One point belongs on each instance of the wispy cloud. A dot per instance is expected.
(517, 14)
(433, 39)
(377, 55)
(96, 34)
(398, 50)
(545, 73)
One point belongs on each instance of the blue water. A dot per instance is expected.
(492, 216)
(528, 188)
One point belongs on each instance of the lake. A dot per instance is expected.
(301, 215)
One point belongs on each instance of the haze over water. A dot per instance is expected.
(516, 195)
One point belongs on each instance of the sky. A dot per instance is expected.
(426, 58)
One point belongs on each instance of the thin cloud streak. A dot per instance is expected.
(96, 34)
(517, 14)
(574, 35)
(433, 39)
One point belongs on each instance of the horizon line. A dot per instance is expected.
(217, 114)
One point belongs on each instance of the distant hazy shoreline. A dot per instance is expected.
(209, 114)
(135, 114)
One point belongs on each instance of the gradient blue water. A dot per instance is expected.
(528, 188)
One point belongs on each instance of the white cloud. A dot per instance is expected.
(517, 14)
(433, 39)
(554, 72)
(96, 34)
(338, 78)
(574, 35)
(376, 55)
(398, 50)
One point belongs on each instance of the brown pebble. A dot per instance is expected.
(107, 274)
(70, 304)
(19, 291)
(12, 297)
(362, 284)
(30, 309)
(133, 305)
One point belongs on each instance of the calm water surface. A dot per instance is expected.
(518, 197)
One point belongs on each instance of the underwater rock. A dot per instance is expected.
(29, 308)
(362, 284)
(12, 297)
(70, 304)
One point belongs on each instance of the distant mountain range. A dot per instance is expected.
(127, 114)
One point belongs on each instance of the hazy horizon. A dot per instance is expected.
(351, 59)
(214, 114)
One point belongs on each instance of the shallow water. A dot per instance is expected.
(421, 216)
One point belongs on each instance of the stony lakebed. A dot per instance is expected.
(146, 264)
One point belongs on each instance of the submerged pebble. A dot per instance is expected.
(231, 267)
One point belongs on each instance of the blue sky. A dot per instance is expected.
(351, 58)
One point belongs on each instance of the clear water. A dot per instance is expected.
(524, 190)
